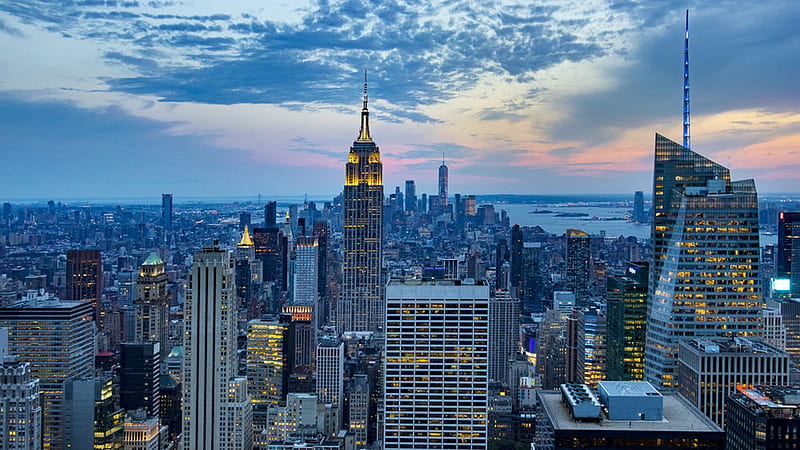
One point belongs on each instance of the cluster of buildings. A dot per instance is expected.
(402, 322)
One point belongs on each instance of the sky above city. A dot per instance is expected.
(205, 98)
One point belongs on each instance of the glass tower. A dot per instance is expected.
(705, 274)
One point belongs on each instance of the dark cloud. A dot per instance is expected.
(736, 62)
(424, 60)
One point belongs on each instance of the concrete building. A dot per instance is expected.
(152, 303)
(20, 410)
(68, 328)
(574, 418)
(436, 365)
(711, 370)
(503, 334)
(330, 377)
(763, 417)
(141, 431)
(217, 410)
(90, 418)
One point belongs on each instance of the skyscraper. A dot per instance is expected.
(578, 265)
(85, 278)
(306, 273)
(705, 233)
(638, 207)
(443, 185)
(20, 409)
(361, 307)
(503, 334)
(217, 413)
(140, 373)
(626, 297)
(516, 255)
(68, 330)
(330, 376)
(788, 264)
(436, 366)
(152, 305)
(411, 196)
(270, 215)
(166, 211)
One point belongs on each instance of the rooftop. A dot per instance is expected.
(733, 345)
(152, 260)
(679, 416)
(629, 388)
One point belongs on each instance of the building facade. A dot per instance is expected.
(626, 299)
(763, 417)
(217, 413)
(152, 304)
(360, 306)
(436, 365)
(788, 259)
(503, 334)
(578, 265)
(20, 410)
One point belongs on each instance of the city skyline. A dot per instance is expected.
(571, 93)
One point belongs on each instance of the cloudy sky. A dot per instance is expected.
(132, 98)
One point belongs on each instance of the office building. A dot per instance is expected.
(503, 334)
(436, 365)
(516, 256)
(139, 377)
(361, 305)
(705, 277)
(790, 313)
(20, 409)
(763, 417)
(626, 300)
(787, 265)
(711, 370)
(578, 265)
(306, 273)
(443, 186)
(152, 304)
(305, 333)
(358, 401)
(68, 329)
(271, 215)
(411, 196)
(530, 290)
(166, 211)
(267, 245)
(217, 413)
(637, 417)
(638, 207)
(330, 377)
(142, 432)
(85, 278)
(270, 358)
(90, 418)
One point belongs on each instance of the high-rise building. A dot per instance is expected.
(20, 410)
(166, 211)
(68, 329)
(330, 377)
(91, 420)
(268, 248)
(516, 255)
(788, 260)
(411, 196)
(436, 365)
(705, 232)
(443, 185)
(306, 273)
(578, 265)
(531, 283)
(705, 275)
(626, 300)
(85, 278)
(270, 215)
(217, 412)
(140, 377)
(790, 312)
(248, 275)
(709, 370)
(270, 357)
(503, 334)
(152, 304)
(141, 432)
(305, 333)
(763, 417)
(638, 207)
(361, 307)
(358, 400)
(245, 219)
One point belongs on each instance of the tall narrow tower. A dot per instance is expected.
(361, 306)
(686, 138)
(443, 185)
(216, 407)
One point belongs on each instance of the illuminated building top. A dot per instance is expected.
(246, 241)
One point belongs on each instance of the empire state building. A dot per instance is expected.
(361, 305)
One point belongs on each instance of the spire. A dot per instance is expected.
(442, 158)
(686, 138)
(245, 241)
(363, 135)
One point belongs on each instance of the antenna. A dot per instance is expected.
(686, 137)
